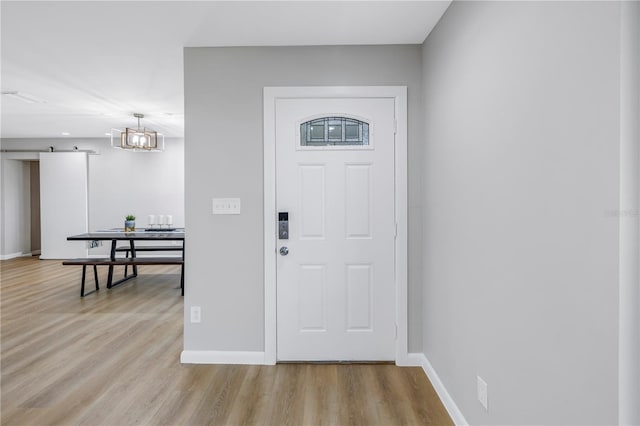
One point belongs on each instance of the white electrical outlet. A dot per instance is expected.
(483, 393)
(195, 314)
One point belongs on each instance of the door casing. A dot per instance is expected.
(399, 95)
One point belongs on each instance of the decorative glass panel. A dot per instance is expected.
(351, 130)
(335, 131)
(316, 130)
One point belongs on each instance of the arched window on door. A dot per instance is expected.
(334, 131)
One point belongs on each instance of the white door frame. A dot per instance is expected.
(399, 95)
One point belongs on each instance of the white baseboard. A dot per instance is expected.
(414, 359)
(11, 255)
(222, 357)
(420, 360)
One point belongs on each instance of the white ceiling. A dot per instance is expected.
(90, 65)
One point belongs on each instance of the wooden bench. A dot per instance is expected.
(131, 261)
(127, 250)
(85, 263)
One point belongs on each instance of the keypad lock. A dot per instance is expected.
(283, 226)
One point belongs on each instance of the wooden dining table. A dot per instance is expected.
(118, 234)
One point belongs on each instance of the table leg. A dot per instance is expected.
(133, 256)
(84, 274)
(182, 271)
(112, 257)
(134, 268)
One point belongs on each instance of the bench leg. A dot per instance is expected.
(95, 277)
(84, 274)
(84, 279)
(110, 276)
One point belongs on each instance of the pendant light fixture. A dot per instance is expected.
(140, 139)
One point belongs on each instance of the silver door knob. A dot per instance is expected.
(284, 251)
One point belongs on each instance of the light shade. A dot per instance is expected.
(140, 139)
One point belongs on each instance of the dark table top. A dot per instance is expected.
(112, 234)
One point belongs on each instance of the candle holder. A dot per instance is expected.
(160, 222)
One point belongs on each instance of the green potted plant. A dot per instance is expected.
(130, 223)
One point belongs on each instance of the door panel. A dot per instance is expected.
(63, 203)
(312, 300)
(335, 287)
(359, 298)
(358, 200)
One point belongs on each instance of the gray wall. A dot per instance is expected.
(122, 182)
(521, 190)
(16, 208)
(223, 110)
(629, 386)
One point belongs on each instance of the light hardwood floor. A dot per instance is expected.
(112, 358)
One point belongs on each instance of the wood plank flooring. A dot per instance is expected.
(113, 358)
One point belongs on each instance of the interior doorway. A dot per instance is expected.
(44, 199)
(20, 195)
(34, 193)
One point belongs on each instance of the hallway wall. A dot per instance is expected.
(224, 158)
(629, 333)
(521, 214)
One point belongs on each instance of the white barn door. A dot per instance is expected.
(63, 204)
(335, 272)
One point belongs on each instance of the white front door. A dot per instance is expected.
(335, 183)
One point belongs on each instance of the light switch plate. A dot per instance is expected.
(226, 206)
